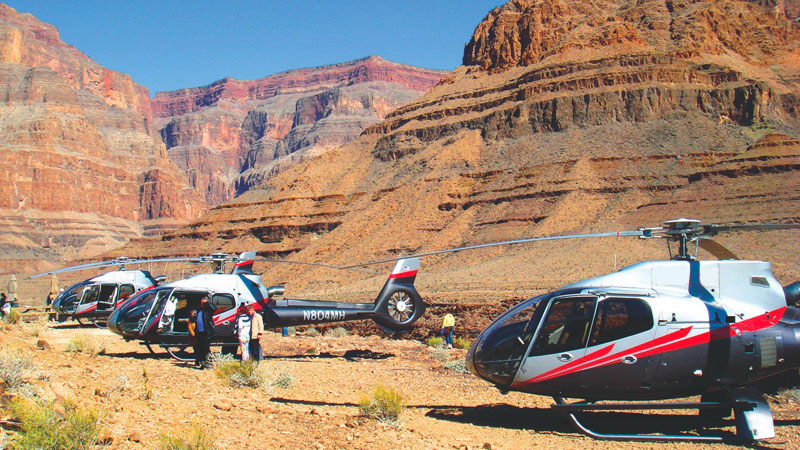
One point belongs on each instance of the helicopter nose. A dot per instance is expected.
(497, 353)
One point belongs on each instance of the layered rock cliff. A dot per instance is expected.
(232, 134)
(568, 117)
(81, 166)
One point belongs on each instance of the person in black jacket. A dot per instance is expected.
(204, 332)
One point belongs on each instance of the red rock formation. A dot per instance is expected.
(77, 146)
(576, 117)
(252, 127)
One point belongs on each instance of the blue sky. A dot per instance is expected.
(173, 44)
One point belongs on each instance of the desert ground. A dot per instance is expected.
(444, 409)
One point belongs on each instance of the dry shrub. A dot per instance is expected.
(311, 331)
(84, 344)
(435, 342)
(383, 404)
(13, 316)
(337, 332)
(15, 369)
(249, 374)
(791, 395)
(459, 365)
(193, 439)
(462, 343)
(56, 426)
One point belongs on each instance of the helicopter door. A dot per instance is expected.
(154, 315)
(620, 324)
(88, 299)
(561, 340)
(224, 315)
(125, 291)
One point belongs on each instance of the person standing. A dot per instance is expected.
(256, 328)
(205, 332)
(192, 329)
(448, 324)
(243, 325)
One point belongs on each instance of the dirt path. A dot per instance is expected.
(444, 410)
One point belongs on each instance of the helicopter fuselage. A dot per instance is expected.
(97, 297)
(654, 330)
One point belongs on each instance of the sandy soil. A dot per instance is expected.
(444, 409)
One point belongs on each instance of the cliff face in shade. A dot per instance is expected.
(232, 134)
(614, 115)
(80, 163)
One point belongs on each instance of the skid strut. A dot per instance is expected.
(753, 418)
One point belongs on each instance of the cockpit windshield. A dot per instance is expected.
(501, 347)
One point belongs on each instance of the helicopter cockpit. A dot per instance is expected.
(547, 333)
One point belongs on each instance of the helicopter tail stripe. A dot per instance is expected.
(410, 273)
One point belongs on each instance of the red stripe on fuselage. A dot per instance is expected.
(243, 263)
(408, 274)
(673, 341)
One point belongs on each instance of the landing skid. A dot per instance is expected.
(752, 413)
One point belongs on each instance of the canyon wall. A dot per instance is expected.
(568, 116)
(233, 134)
(82, 169)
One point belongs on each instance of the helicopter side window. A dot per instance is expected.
(566, 326)
(90, 294)
(222, 302)
(620, 317)
(125, 291)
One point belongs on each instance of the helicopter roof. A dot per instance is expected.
(139, 278)
(740, 284)
(241, 285)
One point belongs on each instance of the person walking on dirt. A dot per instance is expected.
(448, 324)
(205, 332)
(256, 328)
(243, 325)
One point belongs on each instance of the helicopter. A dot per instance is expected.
(93, 299)
(654, 330)
(143, 316)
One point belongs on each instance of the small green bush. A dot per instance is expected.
(462, 343)
(13, 316)
(241, 373)
(311, 331)
(383, 404)
(337, 332)
(435, 342)
(284, 380)
(193, 439)
(84, 344)
(46, 426)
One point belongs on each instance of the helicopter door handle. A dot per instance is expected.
(629, 359)
(227, 322)
(565, 357)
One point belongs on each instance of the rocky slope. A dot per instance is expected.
(232, 134)
(82, 169)
(619, 114)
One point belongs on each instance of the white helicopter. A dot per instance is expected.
(95, 298)
(148, 317)
(652, 331)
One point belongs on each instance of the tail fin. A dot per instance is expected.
(245, 264)
(399, 305)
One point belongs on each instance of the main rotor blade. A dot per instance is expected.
(716, 249)
(109, 263)
(714, 229)
(304, 263)
(633, 233)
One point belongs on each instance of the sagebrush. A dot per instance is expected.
(193, 439)
(15, 369)
(462, 343)
(13, 316)
(84, 344)
(435, 342)
(337, 332)
(383, 404)
(52, 426)
(249, 374)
